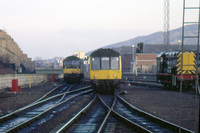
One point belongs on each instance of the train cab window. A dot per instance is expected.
(158, 64)
(105, 63)
(67, 64)
(114, 63)
(75, 64)
(95, 63)
(199, 61)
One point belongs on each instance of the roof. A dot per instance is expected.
(104, 53)
(158, 48)
(72, 58)
(171, 54)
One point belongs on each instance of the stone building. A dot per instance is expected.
(80, 55)
(13, 56)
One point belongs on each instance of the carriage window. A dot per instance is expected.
(114, 63)
(105, 63)
(95, 63)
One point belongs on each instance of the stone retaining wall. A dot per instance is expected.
(23, 79)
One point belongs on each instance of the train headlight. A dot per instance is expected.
(95, 76)
(114, 75)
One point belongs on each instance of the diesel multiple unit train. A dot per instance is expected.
(169, 68)
(72, 69)
(105, 69)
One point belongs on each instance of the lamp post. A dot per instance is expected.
(133, 63)
(179, 44)
(133, 59)
(136, 66)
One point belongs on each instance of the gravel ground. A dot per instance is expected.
(10, 101)
(165, 104)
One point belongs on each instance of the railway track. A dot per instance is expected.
(57, 90)
(142, 79)
(145, 121)
(91, 118)
(24, 116)
(105, 113)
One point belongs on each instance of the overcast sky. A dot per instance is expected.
(57, 28)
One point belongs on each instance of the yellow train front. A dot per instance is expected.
(72, 69)
(105, 70)
(169, 68)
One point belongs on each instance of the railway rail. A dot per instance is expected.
(92, 118)
(30, 113)
(142, 79)
(104, 113)
(57, 90)
(60, 89)
(96, 115)
(145, 121)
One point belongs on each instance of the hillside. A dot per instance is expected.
(157, 38)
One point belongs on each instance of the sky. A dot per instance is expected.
(57, 28)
